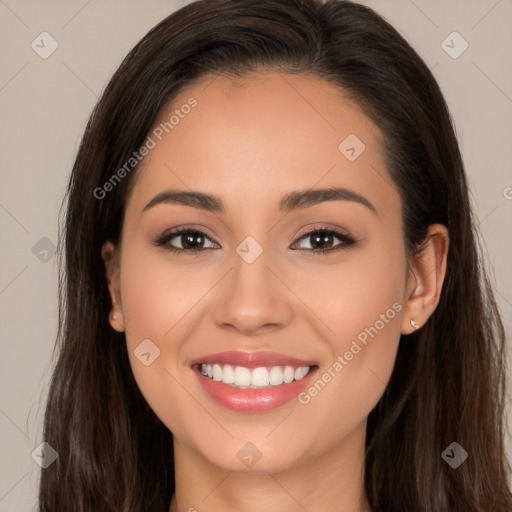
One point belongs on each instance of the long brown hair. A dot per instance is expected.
(448, 384)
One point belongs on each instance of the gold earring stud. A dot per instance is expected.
(415, 324)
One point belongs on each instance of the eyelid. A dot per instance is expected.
(315, 227)
(186, 228)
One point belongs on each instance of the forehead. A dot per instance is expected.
(252, 139)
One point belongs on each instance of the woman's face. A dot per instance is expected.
(263, 147)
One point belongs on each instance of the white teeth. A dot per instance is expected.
(228, 374)
(260, 377)
(242, 376)
(301, 373)
(276, 376)
(217, 372)
(289, 374)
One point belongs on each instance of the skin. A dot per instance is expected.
(250, 141)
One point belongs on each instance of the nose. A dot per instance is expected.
(253, 299)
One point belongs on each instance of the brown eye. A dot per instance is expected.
(186, 240)
(191, 240)
(322, 240)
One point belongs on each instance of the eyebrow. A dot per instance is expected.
(293, 201)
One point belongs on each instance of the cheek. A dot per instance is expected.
(156, 297)
(163, 301)
(359, 305)
(362, 289)
(157, 294)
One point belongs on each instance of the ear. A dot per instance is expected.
(110, 255)
(426, 274)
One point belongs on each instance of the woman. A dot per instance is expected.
(272, 293)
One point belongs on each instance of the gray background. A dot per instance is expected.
(44, 105)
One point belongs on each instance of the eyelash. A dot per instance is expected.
(346, 240)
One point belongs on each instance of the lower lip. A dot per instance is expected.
(253, 400)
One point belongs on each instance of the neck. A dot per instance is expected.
(331, 481)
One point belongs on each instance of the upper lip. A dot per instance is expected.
(252, 359)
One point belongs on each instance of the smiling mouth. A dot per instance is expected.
(242, 377)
